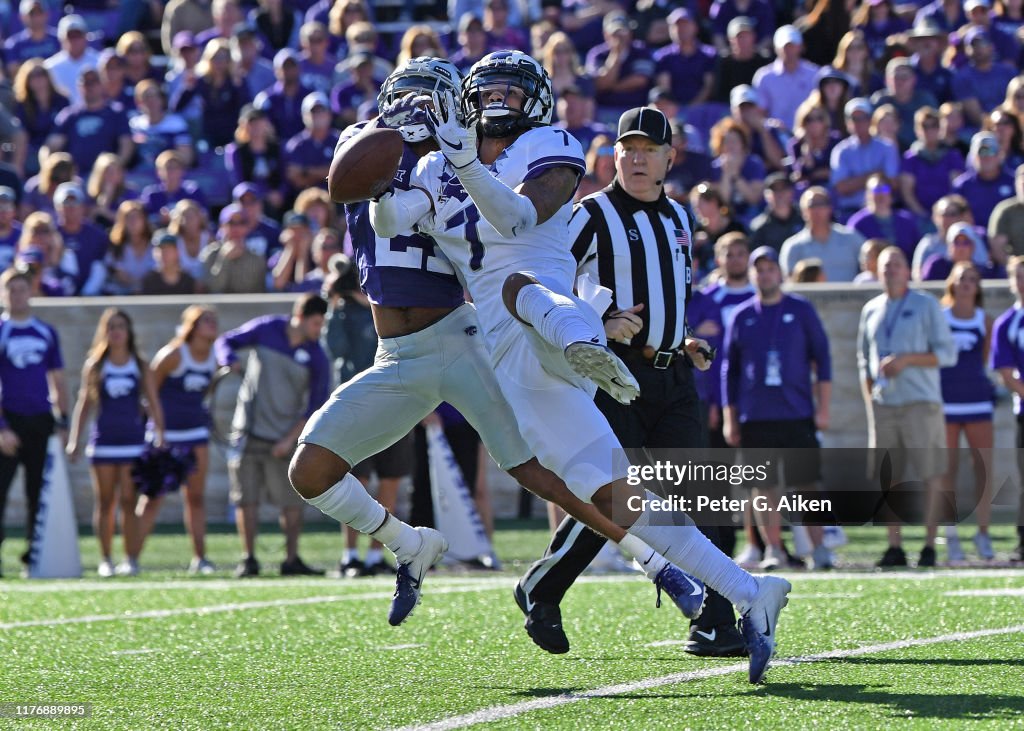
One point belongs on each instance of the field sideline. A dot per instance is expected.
(857, 649)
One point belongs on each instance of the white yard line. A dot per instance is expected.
(234, 607)
(497, 713)
(985, 592)
(43, 586)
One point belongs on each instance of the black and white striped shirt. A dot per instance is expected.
(642, 252)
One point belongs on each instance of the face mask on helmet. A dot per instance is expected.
(504, 100)
(420, 79)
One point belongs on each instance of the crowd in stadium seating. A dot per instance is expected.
(213, 121)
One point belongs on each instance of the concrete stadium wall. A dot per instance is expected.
(156, 318)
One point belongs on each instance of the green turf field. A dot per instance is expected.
(857, 650)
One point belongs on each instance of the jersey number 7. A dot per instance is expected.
(469, 217)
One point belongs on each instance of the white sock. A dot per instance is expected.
(348, 502)
(400, 538)
(556, 318)
(350, 555)
(373, 556)
(690, 550)
(651, 562)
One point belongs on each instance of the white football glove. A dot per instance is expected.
(404, 111)
(458, 143)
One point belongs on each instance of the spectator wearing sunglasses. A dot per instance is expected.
(879, 220)
(929, 167)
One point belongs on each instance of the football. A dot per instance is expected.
(365, 165)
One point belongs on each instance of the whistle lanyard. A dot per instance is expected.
(888, 326)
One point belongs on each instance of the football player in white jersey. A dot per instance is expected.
(499, 208)
(429, 352)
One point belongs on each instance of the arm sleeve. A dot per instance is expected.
(940, 338)
(731, 365)
(319, 380)
(1001, 355)
(507, 211)
(227, 345)
(863, 346)
(892, 161)
(398, 211)
(818, 341)
(839, 171)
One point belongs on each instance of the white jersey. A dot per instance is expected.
(484, 258)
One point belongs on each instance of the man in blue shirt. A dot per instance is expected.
(981, 84)
(858, 157)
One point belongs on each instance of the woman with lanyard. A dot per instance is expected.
(182, 373)
(968, 396)
(116, 381)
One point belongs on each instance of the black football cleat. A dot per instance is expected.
(543, 623)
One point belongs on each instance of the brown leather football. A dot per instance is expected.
(364, 166)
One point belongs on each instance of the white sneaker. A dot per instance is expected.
(128, 567)
(954, 551)
(598, 363)
(750, 557)
(983, 544)
(834, 537)
(610, 561)
(759, 621)
(201, 566)
(773, 558)
(105, 569)
(803, 547)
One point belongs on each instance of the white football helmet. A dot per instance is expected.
(425, 75)
(513, 70)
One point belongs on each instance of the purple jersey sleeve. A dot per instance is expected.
(319, 378)
(247, 335)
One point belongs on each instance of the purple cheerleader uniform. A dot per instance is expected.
(186, 419)
(118, 435)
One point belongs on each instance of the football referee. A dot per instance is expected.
(634, 240)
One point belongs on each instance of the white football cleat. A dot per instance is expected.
(758, 623)
(598, 363)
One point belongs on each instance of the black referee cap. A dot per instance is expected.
(647, 122)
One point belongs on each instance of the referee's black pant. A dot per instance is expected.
(666, 415)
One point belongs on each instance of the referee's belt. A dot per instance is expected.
(647, 355)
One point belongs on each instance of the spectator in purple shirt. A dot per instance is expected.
(316, 65)
(133, 48)
(987, 181)
(879, 220)
(307, 156)
(278, 22)
(575, 112)
(961, 243)
(37, 40)
(158, 199)
(94, 126)
(739, 173)
(902, 93)
(283, 101)
(927, 40)
(10, 229)
(39, 103)
(810, 148)
(31, 369)
(262, 232)
(255, 157)
(776, 388)
(473, 42)
(115, 83)
(1006, 126)
(346, 98)
(89, 243)
(761, 12)
(256, 72)
(223, 94)
(929, 166)
(56, 168)
(686, 67)
(878, 21)
(501, 32)
(979, 15)
(622, 69)
(789, 80)
(226, 15)
(981, 84)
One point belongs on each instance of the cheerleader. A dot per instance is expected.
(968, 396)
(182, 373)
(117, 383)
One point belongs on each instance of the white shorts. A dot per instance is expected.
(557, 415)
(410, 376)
